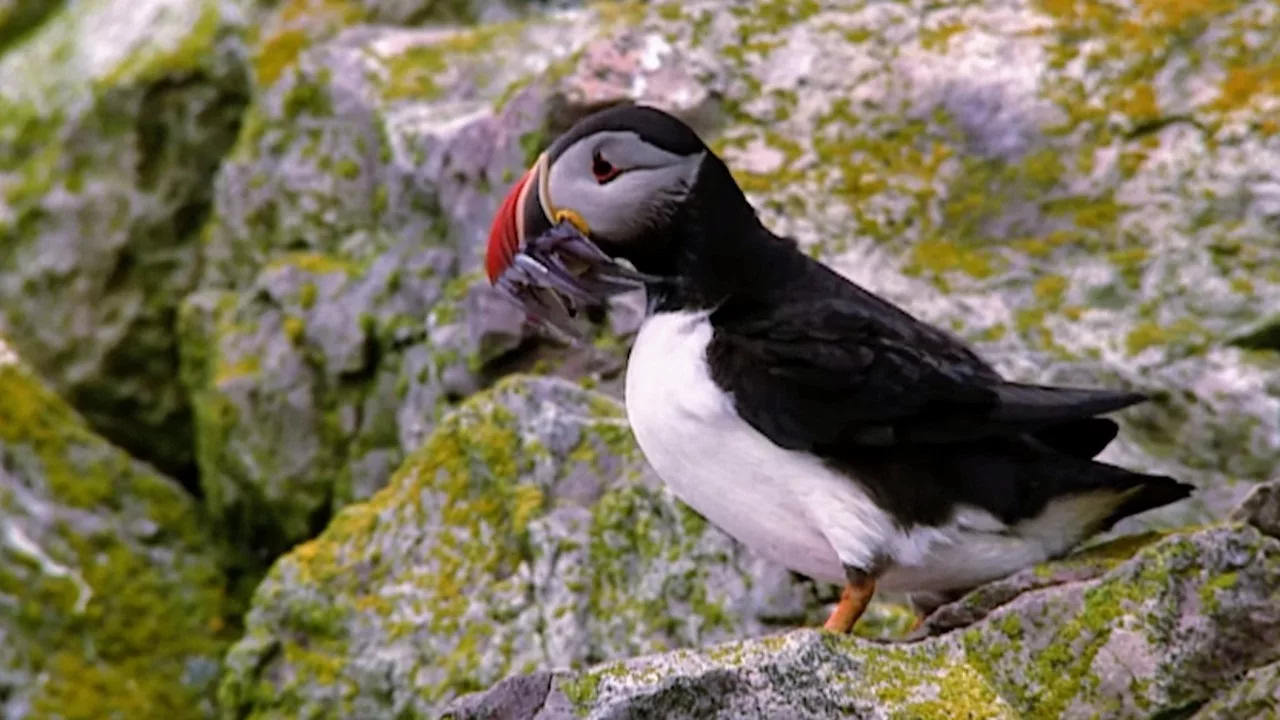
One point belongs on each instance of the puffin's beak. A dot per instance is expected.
(506, 234)
(543, 260)
(525, 214)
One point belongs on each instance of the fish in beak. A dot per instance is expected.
(545, 261)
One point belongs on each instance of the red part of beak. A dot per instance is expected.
(504, 234)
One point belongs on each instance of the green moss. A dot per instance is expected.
(581, 690)
(278, 53)
(308, 96)
(348, 169)
(296, 26)
(228, 370)
(415, 72)
(1050, 290)
(154, 61)
(1183, 335)
(294, 329)
(124, 652)
(307, 296)
(940, 257)
(314, 263)
(1209, 590)
(472, 462)
(1060, 672)
(19, 18)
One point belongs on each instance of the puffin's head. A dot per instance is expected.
(620, 176)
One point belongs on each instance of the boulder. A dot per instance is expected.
(113, 602)
(524, 534)
(1061, 206)
(342, 306)
(293, 26)
(1188, 626)
(114, 115)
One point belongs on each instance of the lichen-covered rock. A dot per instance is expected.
(523, 535)
(343, 307)
(112, 601)
(333, 324)
(1083, 222)
(1256, 696)
(114, 115)
(296, 384)
(297, 25)
(1098, 212)
(415, 132)
(1160, 635)
(1091, 213)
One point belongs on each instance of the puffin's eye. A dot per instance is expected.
(602, 169)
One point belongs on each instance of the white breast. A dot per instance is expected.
(783, 504)
(787, 505)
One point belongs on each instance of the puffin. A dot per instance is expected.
(813, 421)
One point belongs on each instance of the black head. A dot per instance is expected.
(622, 176)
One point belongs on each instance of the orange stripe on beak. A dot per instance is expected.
(505, 233)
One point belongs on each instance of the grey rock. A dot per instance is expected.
(1261, 508)
(319, 350)
(112, 597)
(114, 115)
(1168, 630)
(1257, 695)
(516, 698)
(296, 383)
(524, 534)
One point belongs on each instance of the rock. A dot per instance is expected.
(1068, 244)
(523, 535)
(1256, 696)
(297, 25)
(112, 598)
(336, 318)
(297, 382)
(342, 306)
(1086, 214)
(1261, 508)
(114, 115)
(1165, 632)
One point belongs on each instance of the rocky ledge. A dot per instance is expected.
(527, 545)
(1188, 626)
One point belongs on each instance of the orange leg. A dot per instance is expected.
(853, 602)
(920, 618)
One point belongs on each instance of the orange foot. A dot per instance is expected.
(853, 602)
(920, 618)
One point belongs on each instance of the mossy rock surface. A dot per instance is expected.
(1167, 633)
(298, 385)
(112, 597)
(522, 535)
(1085, 212)
(342, 308)
(114, 115)
(413, 132)
(293, 26)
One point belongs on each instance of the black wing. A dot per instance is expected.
(832, 365)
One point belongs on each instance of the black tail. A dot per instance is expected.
(1153, 491)
(1080, 438)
